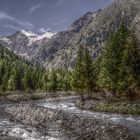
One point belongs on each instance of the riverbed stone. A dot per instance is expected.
(69, 125)
(74, 126)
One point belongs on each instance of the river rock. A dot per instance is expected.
(74, 126)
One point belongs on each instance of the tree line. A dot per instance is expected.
(116, 70)
(17, 74)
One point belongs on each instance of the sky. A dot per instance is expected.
(44, 15)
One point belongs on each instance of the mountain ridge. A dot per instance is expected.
(95, 35)
(24, 43)
(39, 47)
(91, 30)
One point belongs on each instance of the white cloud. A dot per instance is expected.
(43, 30)
(20, 23)
(34, 8)
(5, 16)
(10, 26)
(59, 3)
(60, 22)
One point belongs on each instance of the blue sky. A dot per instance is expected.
(43, 15)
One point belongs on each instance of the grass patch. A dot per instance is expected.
(37, 97)
(122, 108)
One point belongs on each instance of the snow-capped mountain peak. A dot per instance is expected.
(45, 35)
(28, 33)
(6, 40)
(34, 36)
(24, 43)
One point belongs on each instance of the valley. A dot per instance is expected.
(81, 83)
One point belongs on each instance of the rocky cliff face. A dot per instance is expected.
(95, 34)
(54, 50)
(44, 48)
(90, 30)
(25, 43)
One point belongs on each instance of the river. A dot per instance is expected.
(15, 130)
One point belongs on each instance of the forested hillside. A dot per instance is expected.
(18, 74)
(115, 72)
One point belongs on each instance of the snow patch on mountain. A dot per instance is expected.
(45, 35)
(32, 37)
(28, 33)
(6, 40)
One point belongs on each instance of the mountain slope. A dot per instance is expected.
(95, 34)
(91, 30)
(54, 49)
(17, 74)
(42, 48)
(25, 43)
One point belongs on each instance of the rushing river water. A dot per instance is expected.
(68, 104)
(10, 130)
(16, 131)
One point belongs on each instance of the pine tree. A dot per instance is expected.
(44, 82)
(53, 82)
(89, 82)
(111, 60)
(18, 74)
(11, 83)
(67, 80)
(120, 63)
(78, 74)
(27, 81)
(129, 75)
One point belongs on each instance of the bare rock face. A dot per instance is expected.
(25, 43)
(44, 48)
(95, 34)
(54, 50)
(92, 30)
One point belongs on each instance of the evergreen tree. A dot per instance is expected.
(67, 81)
(45, 82)
(11, 83)
(89, 82)
(27, 81)
(18, 74)
(53, 82)
(78, 74)
(111, 60)
(129, 75)
(120, 64)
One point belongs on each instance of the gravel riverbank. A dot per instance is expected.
(65, 125)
